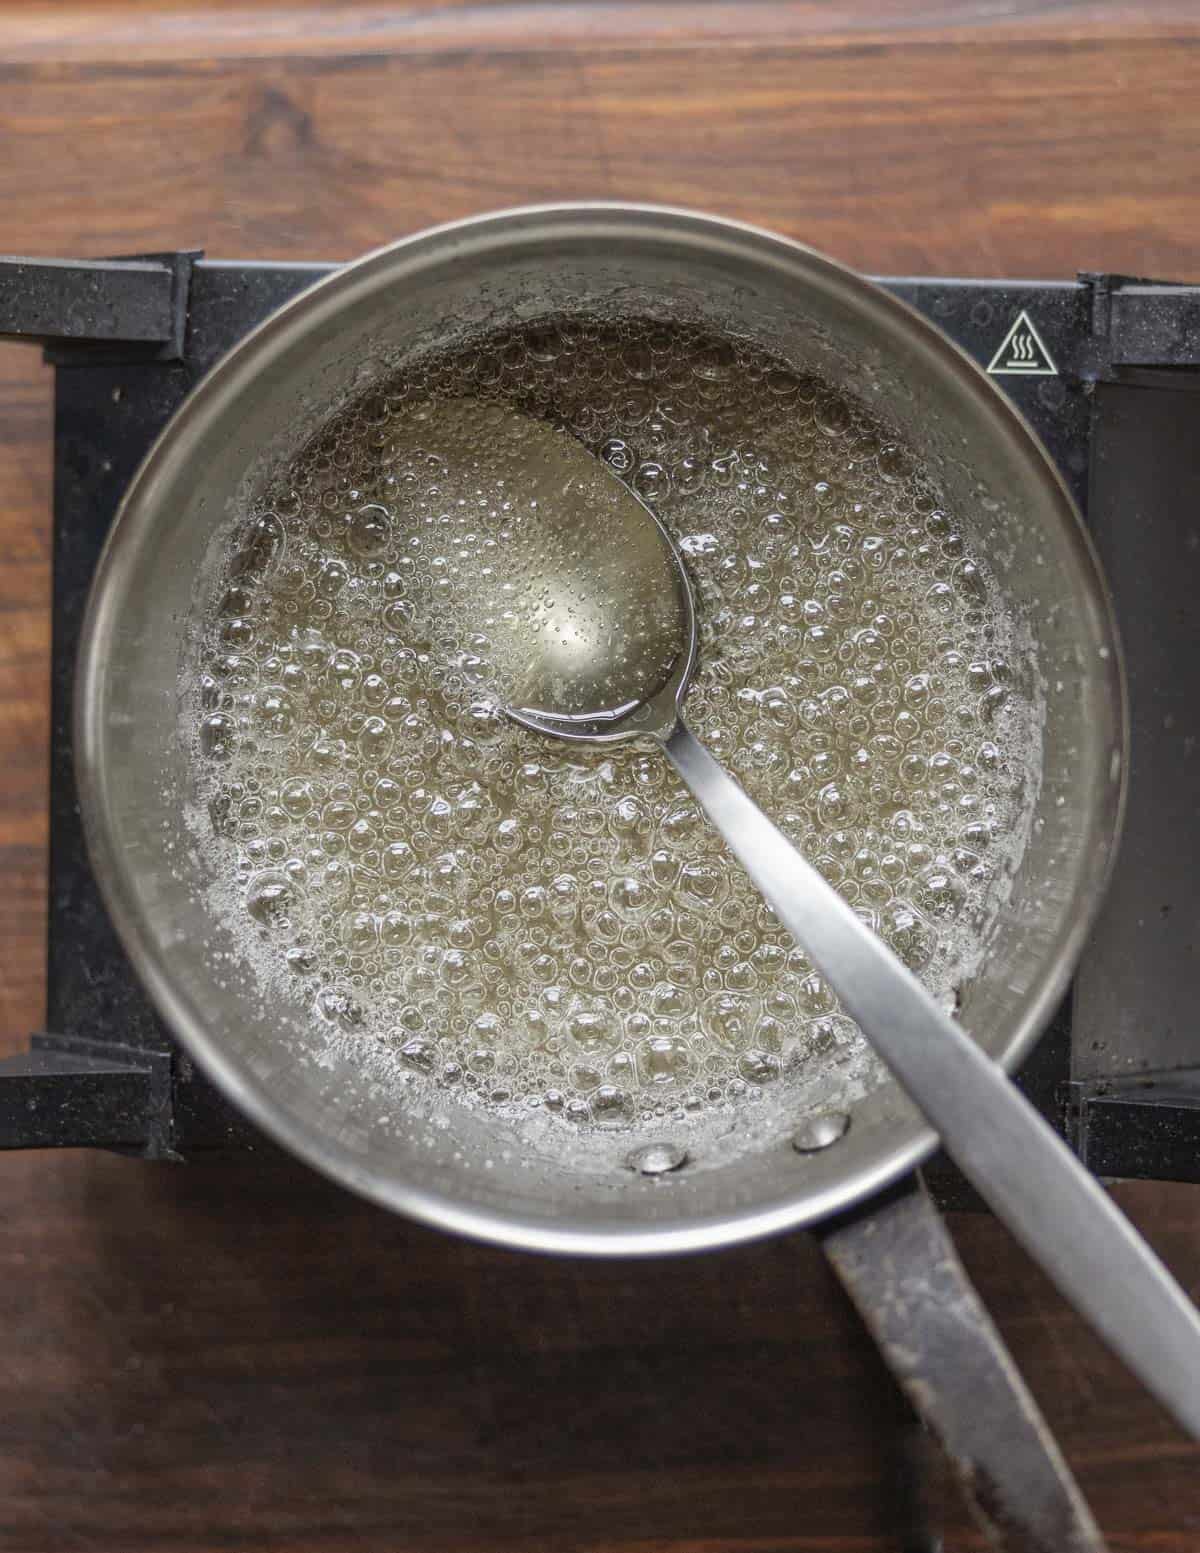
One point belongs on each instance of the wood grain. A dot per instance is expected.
(206, 1358)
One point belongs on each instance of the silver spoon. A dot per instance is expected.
(614, 573)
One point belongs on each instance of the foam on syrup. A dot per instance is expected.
(531, 925)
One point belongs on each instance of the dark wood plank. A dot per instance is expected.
(212, 1356)
(204, 1358)
(906, 150)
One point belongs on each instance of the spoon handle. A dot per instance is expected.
(1017, 1163)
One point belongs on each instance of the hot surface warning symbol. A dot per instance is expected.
(1023, 351)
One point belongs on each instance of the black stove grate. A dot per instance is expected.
(1107, 371)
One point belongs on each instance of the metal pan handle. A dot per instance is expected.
(897, 1263)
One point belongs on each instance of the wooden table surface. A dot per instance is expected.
(212, 1358)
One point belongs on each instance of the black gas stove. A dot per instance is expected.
(1106, 368)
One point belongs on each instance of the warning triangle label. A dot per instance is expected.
(1023, 351)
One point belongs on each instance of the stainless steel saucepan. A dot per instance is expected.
(693, 1186)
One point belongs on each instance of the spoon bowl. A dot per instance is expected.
(610, 640)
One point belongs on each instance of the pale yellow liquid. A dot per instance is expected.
(532, 925)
